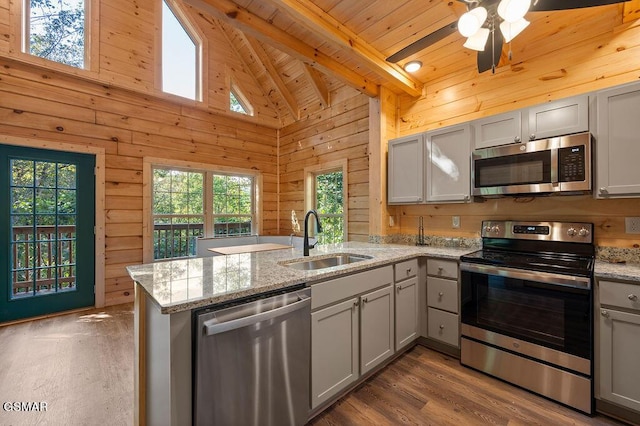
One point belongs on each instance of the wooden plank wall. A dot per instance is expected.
(580, 58)
(118, 108)
(338, 132)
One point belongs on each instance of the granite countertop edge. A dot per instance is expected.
(277, 276)
(281, 277)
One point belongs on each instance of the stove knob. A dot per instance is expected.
(583, 232)
(571, 232)
(495, 229)
(487, 229)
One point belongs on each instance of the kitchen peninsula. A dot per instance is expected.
(168, 292)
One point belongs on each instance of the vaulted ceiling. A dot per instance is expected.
(299, 49)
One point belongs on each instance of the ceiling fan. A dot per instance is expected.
(490, 23)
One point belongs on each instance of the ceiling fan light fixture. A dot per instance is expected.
(513, 10)
(510, 30)
(470, 22)
(478, 41)
(412, 66)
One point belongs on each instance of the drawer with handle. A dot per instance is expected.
(404, 270)
(442, 268)
(442, 294)
(443, 326)
(622, 295)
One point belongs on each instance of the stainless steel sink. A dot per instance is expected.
(325, 262)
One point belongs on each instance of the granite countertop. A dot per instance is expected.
(180, 285)
(617, 271)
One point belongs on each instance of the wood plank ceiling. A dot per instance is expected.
(299, 49)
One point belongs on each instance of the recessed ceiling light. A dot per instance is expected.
(412, 66)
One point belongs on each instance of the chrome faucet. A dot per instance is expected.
(306, 246)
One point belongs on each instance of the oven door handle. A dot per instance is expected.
(543, 277)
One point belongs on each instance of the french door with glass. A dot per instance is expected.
(47, 243)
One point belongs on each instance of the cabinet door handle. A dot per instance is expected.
(440, 294)
(441, 327)
(440, 270)
(517, 139)
(399, 288)
(632, 297)
(356, 304)
(364, 300)
(603, 190)
(408, 271)
(604, 313)
(532, 136)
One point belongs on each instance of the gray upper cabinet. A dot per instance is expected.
(557, 118)
(617, 142)
(561, 117)
(498, 129)
(448, 165)
(405, 171)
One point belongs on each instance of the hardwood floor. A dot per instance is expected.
(424, 387)
(81, 365)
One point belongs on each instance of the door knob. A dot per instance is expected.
(632, 297)
(604, 313)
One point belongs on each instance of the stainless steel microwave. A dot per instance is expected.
(547, 166)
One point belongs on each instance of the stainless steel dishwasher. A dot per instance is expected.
(252, 362)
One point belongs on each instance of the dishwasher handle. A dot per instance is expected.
(213, 326)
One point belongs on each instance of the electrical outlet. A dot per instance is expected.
(455, 221)
(632, 225)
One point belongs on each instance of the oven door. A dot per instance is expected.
(550, 310)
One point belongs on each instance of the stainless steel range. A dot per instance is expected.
(527, 308)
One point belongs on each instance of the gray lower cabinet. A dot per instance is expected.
(443, 320)
(619, 345)
(351, 330)
(407, 306)
(376, 328)
(334, 349)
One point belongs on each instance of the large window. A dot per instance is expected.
(180, 56)
(56, 30)
(232, 205)
(188, 204)
(326, 194)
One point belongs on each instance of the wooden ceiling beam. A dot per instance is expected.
(258, 50)
(313, 18)
(318, 85)
(245, 21)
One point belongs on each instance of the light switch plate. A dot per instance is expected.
(632, 225)
(455, 221)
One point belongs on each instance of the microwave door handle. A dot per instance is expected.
(554, 167)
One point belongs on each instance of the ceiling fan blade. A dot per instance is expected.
(548, 5)
(424, 42)
(490, 56)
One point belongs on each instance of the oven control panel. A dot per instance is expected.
(531, 229)
(548, 231)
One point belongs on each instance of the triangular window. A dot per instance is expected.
(238, 102)
(180, 56)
